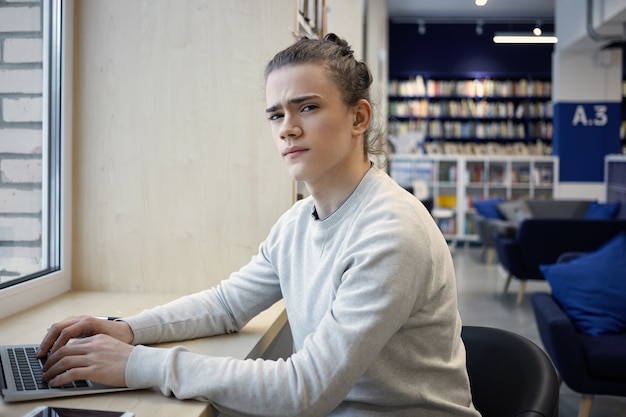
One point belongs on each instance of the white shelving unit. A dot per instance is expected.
(615, 179)
(456, 181)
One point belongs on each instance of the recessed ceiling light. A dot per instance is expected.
(480, 2)
(504, 37)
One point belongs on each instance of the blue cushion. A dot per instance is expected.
(602, 210)
(592, 288)
(489, 208)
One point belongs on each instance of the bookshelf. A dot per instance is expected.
(485, 115)
(457, 181)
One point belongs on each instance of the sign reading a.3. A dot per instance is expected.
(599, 118)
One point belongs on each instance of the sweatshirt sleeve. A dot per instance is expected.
(223, 309)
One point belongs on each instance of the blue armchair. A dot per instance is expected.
(590, 365)
(542, 241)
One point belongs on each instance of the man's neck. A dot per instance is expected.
(328, 199)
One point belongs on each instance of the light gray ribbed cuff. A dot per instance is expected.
(144, 329)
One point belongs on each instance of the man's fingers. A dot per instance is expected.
(60, 333)
(68, 333)
(66, 377)
(68, 361)
(51, 337)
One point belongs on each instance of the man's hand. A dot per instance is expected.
(82, 326)
(100, 358)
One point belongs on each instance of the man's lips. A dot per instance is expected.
(294, 152)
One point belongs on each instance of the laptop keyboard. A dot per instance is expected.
(26, 368)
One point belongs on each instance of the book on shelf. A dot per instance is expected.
(520, 175)
(451, 148)
(413, 87)
(475, 172)
(542, 175)
(516, 195)
(447, 226)
(446, 201)
(521, 149)
(487, 148)
(433, 148)
(496, 174)
(470, 87)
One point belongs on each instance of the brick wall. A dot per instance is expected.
(21, 84)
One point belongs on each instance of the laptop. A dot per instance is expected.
(21, 377)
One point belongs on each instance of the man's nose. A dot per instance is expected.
(290, 128)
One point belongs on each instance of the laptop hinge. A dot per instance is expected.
(3, 382)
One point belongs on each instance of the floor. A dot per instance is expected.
(483, 302)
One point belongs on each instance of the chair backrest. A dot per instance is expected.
(558, 209)
(510, 376)
(542, 241)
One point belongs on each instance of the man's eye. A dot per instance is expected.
(275, 116)
(309, 107)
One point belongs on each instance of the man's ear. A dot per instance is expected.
(362, 117)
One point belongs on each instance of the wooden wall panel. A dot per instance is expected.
(176, 179)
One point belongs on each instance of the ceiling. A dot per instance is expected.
(451, 11)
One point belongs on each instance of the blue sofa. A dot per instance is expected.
(502, 217)
(591, 365)
(541, 241)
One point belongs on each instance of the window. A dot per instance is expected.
(31, 145)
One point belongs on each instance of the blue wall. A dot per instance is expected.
(456, 50)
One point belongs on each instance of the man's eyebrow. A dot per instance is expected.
(295, 100)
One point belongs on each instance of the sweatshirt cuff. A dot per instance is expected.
(146, 367)
(143, 327)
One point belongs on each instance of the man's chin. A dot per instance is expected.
(297, 174)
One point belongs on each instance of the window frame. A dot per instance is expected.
(58, 63)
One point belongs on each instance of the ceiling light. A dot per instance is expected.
(480, 2)
(510, 37)
(479, 27)
(537, 29)
(421, 27)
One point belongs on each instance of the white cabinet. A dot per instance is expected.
(457, 181)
